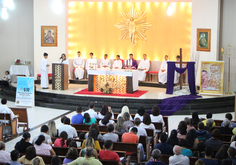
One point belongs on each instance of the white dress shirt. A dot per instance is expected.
(178, 159)
(4, 156)
(71, 131)
(92, 113)
(5, 109)
(157, 119)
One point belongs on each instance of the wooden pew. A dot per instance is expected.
(1, 132)
(22, 117)
(86, 127)
(108, 162)
(12, 123)
(47, 159)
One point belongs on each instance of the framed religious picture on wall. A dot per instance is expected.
(204, 40)
(49, 36)
(212, 74)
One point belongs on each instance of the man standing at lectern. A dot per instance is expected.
(105, 63)
(44, 71)
(79, 66)
(131, 62)
(162, 75)
(143, 67)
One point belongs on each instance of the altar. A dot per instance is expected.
(120, 80)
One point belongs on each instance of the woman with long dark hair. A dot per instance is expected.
(104, 110)
(30, 154)
(140, 113)
(173, 140)
(94, 126)
(61, 141)
(222, 153)
(93, 134)
(43, 148)
(192, 141)
(147, 122)
(195, 119)
(88, 120)
(71, 155)
(106, 120)
(24, 143)
(182, 130)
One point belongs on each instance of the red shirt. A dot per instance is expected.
(108, 155)
(57, 143)
(129, 138)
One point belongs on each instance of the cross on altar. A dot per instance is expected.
(181, 62)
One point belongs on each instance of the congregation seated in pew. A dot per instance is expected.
(71, 131)
(30, 154)
(107, 120)
(44, 132)
(104, 110)
(61, 141)
(94, 126)
(71, 155)
(89, 142)
(78, 118)
(24, 143)
(88, 120)
(93, 134)
(110, 135)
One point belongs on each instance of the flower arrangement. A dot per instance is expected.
(106, 89)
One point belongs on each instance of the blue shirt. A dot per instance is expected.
(209, 161)
(14, 163)
(164, 148)
(77, 119)
(186, 152)
(202, 135)
(151, 162)
(92, 120)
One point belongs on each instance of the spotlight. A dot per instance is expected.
(9, 4)
(170, 10)
(4, 13)
(57, 6)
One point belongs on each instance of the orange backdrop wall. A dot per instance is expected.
(91, 29)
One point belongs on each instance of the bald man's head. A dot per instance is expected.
(177, 150)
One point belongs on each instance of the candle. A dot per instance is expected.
(128, 62)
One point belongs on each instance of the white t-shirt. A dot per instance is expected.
(130, 117)
(5, 109)
(141, 131)
(157, 119)
(5, 156)
(47, 138)
(110, 122)
(71, 131)
(92, 113)
(150, 126)
(138, 116)
(43, 149)
(100, 116)
(5, 77)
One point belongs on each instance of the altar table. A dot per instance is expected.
(120, 80)
(20, 70)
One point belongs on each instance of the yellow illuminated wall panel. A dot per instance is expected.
(91, 29)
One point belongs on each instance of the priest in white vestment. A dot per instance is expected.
(44, 71)
(177, 75)
(162, 75)
(117, 64)
(79, 66)
(143, 67)
(105, 63)
(91, 63)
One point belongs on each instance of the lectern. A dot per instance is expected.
(59, 76)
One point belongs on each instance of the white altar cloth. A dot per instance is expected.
(20, 70)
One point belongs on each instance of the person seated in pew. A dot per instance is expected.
(173, 140)
(106, 120)
(14, 156)
(225, 129)
(208, 116)
(42, 148)
(61, 141)
(110, 135)
(209, 126)
(156, 155)
(120, 126)
(71, 143)
(94, 126)
(30, 154)
(147, 124)
(62, 122)
(52, 129)
(202, 134)
(127, 122)
(140, 113)
(141, 130)
(104, 110)
(24, 143)
(131, 62)
(182, 130)
(89, 120)
(88, 159)
(232, 154)
(162, 75)
(207, 160)
(229, 117)
(185, 150)
(222, 153)
(93, 134)
(107, 153)
(187, 121)
(5, 109)
(143, 67)
(117, 64)
(71, 155)
(156, 117)
(89, 142)
(214, 141)
(200, 150)
(78, 118)
(131, 137)
(44, 132)
(105, 63)
(234, 134)
(91, 111)
(7, 76)
(178, 158)
(163, 146)
(195, 118)
(191, 139)
(123, 110)
(71, 131)
(55, 160)
(4, 155)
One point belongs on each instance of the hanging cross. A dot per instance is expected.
(181, 62)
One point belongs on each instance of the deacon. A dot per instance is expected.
(143, 67)
(91, 63)
(79, 66)
(162, 75)
(44, 71)
(177, 75)
(117, 63)
(131, 62)
(105, 63)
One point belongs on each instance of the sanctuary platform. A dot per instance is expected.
(67, 100)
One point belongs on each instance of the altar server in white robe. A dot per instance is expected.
(117, 64)
(162, 75)
(91, 63)
(143, 67)
(79, 66)
(105, 63)
(44, 71)
(177, 75)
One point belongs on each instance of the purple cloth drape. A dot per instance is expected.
(170, 105)
(171, 68)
